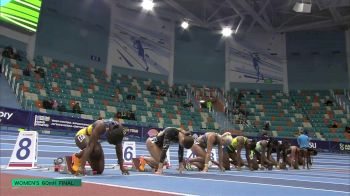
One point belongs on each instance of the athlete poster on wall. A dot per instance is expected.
(256, 59)
(142, 42)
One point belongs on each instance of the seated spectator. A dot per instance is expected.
(124, 115)
(267, 126)
(26, 72)
(243, 112)
(41, 72)
(118, 115)
(187, 104)
(329, 103)
(61, 107)
(132, 116)
(151, 88)
(334, 125)
(347, 129)
(130, 97)
(76, 108)
(9, 53)
(240, 96)
(47, 104)
(54, 104)
(161, 92)
(148, 88)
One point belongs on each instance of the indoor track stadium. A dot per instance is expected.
(174, 97)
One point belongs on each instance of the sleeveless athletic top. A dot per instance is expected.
(203, 140)
(234, 144)
(258, 147)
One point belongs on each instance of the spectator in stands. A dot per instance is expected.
(61, 107)
(187, 104)
(127, 115)
(240, 96)
(161, 92)
(130, 97)
(151, 88)
(267, 126)
(334, 125)
(329, 103)
(47, 104)
(347, 129)
(41, 72)
(54, 104)
(132, 115)
(118, 115)
(8, 52)
(26, 72)
(76, 108)
(209, 106)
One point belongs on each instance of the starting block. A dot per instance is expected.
(25, 151)
(64, 166)
(129, 153)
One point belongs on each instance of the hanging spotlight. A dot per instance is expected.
(226, 31)
(184, 24)
(303, 6)
(147, 5)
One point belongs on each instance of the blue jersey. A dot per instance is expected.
(303, 141)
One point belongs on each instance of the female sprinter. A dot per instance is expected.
(206, 141)
(159, 145)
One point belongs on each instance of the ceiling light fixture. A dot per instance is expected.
(147, 5)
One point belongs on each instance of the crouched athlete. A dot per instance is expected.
(158, 146)
(88, 140)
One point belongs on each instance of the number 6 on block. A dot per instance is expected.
(129, 152)
(25, 151)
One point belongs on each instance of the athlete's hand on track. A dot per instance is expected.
(81, 171)
(181, 168)
(124, 171)
(222, 169)
(159, 171)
